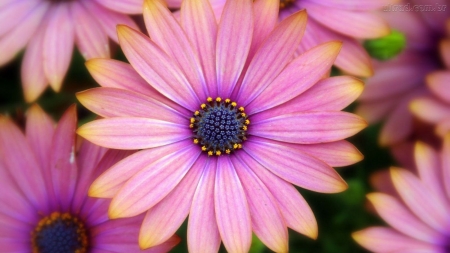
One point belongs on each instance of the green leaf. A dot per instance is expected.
(386, 47)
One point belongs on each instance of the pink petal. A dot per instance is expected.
(123, 6)
(149, 186)
(429, 109)
(202, 232)
(445, 160)
(133, 133)
(438, 82)
(165, 31)
(267, 221)
(428, 207)
(33, 77)
(14, 12)
(234, 35)
(264, 22)
(232, 210)
(198, 21)
(164, 219)
(362, 25)
(272, 56)
(117, 74)
(17, 156)
(358, 5)
(296, 212)
(444, 48)
(298, 76)
(400, 218)
(398, 125)
(375, 111)
(443, 128)
(157, 68)
(295, 166)
(111, 102)
(108, 184)
(91, 38)
(13, 41)
(308, 127)
(58, 44)
(335, 154)
(381, 239)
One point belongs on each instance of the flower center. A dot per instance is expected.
(219, 126)
(286, 3)
(60, 233)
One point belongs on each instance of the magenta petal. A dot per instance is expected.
(267, 221)
(164, 219)
(91, 39)
(295, 166)
(108, 184)
(296, 212)
(110, 102)
(308, 127)
(133, 133)
(264, 22)
(146, 188)
(232, 210)
(335, 154)
(202, 232)
(12, 13)
(165, 31)
(272, 56)
(157, 68)
(298, 76)
(199, 23)
(234, 35)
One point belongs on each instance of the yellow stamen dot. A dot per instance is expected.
(239, 145)
(191, 126)
(204, 148)
(196, 113)
(247, 122)
(235, 146)
(203, 106)
(210, 153)
(195, 141)
(233, 104)
(218, 153)
(241, 109)
(218, 99)
(244, 128)
(227, 100)
(209, 99)
(192, 120)
(228, 151)
(243, 114)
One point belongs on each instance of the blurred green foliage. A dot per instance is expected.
(386, 47)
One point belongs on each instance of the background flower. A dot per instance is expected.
(44, 178)
(190, 75)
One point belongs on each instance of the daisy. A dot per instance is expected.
(44, 202)
(220, 143)
(416, 206)
(49, 29)
(388, 94)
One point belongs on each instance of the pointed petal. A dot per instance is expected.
(445, 160)
(202, 232)
(234, 35)
(149, 186)
(157, 68)
(430, 109)
(164, 219)
(400, 218)
(335, 154)
(91, 38)
(165, 31)
(199, 23)
(308, 127)
(267, 221)
(398, 125)
(298, 76)
(438, 82)
(375, 111)
(296, 212)
(111, 102)
(295, 166)
(133, 133)
(232, 210)
(264, 22)
(272, 56)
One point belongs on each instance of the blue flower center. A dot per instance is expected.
(219, 126)
(60, 233)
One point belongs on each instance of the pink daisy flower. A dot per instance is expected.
(220, 143)
(49, 30)
(415, 207)
(45, 207)
(397, 82)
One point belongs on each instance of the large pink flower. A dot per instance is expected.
(398, 81)
(44, 202)
(49, 29)
(220, 143)
(415, 206)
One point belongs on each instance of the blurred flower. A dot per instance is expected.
(44, 202)
(220, 143)
(49, 29)
(397, 82)
(415, 206)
